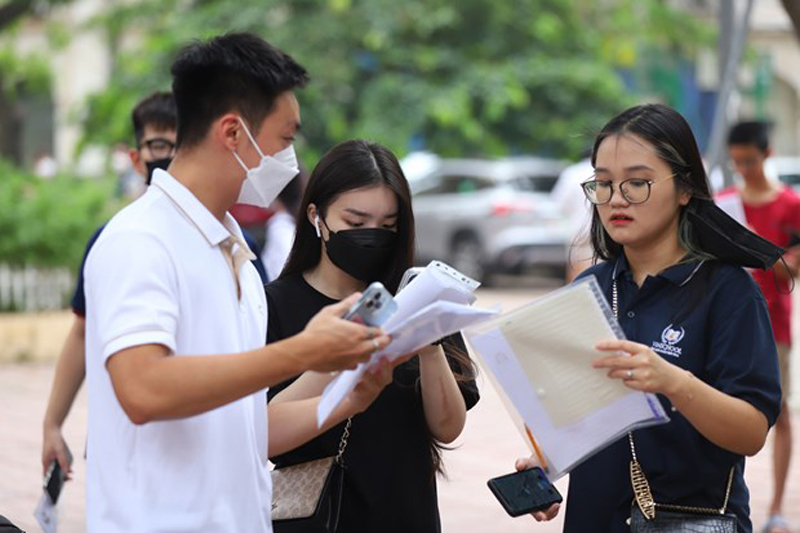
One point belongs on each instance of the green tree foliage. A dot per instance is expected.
(461, 78)
(47, 222)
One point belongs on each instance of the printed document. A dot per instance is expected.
(541, 355)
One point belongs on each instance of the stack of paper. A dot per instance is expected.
(541, 355)
(434, 305)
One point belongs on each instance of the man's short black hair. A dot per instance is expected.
(237, 71)
(157, 111)
(752, 132)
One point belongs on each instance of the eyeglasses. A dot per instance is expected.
(159, 148)
(634, 190)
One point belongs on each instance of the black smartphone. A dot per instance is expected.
(524, 492)
(54, 481)
(374, 307)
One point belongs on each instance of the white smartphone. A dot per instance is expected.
(408, 275)
(374, 307)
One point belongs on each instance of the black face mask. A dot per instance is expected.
(162, 163)
(720, 235)
(362, 253)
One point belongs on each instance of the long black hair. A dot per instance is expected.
(348, 166)
(354, 165)
(670, 134)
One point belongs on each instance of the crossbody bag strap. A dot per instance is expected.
(343, 442)
(641, 487)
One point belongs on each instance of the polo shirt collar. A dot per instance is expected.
(682, 273)
(212, 229)
(679, 274)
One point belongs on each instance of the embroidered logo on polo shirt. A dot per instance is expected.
(669, 338)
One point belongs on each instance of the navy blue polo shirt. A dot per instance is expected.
(709, 318)
(79, 299)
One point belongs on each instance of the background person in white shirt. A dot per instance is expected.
(176, 366)
(281, 226)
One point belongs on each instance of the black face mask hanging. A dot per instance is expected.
(162, 163)
(720, 235)
(362, 253)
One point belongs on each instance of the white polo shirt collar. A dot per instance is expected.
(212, 229)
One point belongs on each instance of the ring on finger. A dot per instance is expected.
(375, 343)
(629, 374)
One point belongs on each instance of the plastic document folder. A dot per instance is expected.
(541, 356)
(436, 303)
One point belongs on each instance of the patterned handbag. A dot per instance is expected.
(670, 518)
(306, 497)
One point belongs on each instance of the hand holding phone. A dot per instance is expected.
(524, 492)
(54, 481)
(374, 307)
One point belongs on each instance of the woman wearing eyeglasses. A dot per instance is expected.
(698, 330)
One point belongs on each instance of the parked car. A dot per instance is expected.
(489, 216)
(787, 170)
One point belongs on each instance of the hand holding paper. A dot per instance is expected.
(435, 304)
(543, 363)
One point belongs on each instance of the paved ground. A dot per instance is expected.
(487, 448)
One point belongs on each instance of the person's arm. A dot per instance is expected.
(293, 415)
(70, 372)
(442, 402)
(728, 422)
(308, 385)
(152, 385)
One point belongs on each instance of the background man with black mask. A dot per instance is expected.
(154, 124)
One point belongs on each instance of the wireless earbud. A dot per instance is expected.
(316, 226)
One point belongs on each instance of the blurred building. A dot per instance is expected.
(768, 82)
(36, 120)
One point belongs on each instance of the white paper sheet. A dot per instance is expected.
(433, 284)
(541, 356)
(435, 304)
(46, 514)
(732, 204)
(431, 323)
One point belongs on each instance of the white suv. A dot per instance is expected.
(485, 216)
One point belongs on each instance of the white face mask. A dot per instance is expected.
(267, 180)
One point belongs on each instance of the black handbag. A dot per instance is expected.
(647, 516)
(7, 527)
(677, 522)
(307, 497)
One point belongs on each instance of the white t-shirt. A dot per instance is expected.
(157, 275)
(278, 243)
(576, 208)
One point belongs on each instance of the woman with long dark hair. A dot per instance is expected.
(356, 226)
(698, 330)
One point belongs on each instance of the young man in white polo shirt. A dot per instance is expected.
(177, 317)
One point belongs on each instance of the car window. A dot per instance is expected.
(457, 185)
(537, 183)
(791, 179)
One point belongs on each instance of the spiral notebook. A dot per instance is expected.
(540, 356)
